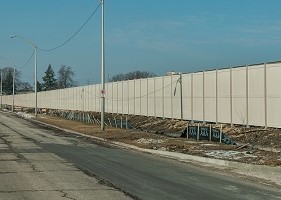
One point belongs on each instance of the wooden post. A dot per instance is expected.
(126, 122)
(198, 132)
(187, 131)
(210, 133)
(220, 133)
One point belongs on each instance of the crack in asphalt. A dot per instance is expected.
(20, 157)
(65, 195)
(107, 183)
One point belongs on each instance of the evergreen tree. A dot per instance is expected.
(49, 81)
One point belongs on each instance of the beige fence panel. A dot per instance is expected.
(151, 97)
(198, 103)
(137, 97)
(120, 97)
(210, 85)
(125, 101)
(239, 95)
(115, 97)
(131, 90)
(98, 97)
(224, 96)
(108, 97)
(144, 97)
(256, 95)
(167, 88)
(186, 95)
(274, 94)
(176, 97)
(159, 97)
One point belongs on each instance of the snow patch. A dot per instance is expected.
(25, 115)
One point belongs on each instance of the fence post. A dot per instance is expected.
(128, 92)
(247, 96)
(112, 97)
(231, 99)
(154, 97)
(122, 97)
(204, 121)
(163, 99)
(265, 96)
(115, 122)
(217, 97)
(117, 99)
(140, 95)
(147, 97)
(171, 93)
(134, 96)
(181, 96)
(192, 114)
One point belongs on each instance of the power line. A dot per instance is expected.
(27, 62)
(71, 37)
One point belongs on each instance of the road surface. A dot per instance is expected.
(42, 163)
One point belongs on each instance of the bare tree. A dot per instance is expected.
(65, 77)
(7, 74)
(131, 76)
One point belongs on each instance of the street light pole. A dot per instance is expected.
(102, 68)
(35, 66)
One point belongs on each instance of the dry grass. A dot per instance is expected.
(181, 145)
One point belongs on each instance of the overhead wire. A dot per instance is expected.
(74, 34)
(27, 62)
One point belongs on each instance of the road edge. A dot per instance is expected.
(267, 173)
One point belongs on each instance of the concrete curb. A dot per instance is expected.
(268, 173)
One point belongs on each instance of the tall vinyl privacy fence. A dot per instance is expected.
(249, 95)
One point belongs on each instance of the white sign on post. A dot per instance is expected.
(103, 93)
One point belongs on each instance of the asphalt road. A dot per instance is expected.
(141, 175)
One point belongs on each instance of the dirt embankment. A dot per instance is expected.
(255, 144)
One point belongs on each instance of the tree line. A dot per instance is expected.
(51, 81)
(64, 79)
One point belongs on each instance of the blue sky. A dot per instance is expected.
(151, 35)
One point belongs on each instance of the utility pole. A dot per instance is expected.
(35, 66)
(102, 68)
